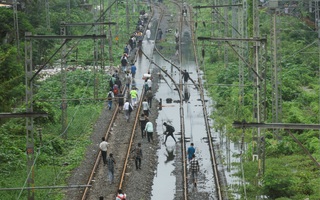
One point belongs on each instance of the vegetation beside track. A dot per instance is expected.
(290, 173)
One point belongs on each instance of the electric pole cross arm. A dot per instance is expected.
(262, 39)
(20, 115)
(237, 124)
(87, 24)
(218, 6)
(68, 37)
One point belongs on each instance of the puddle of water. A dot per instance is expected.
(164, 181)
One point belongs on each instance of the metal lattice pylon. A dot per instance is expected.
(29, 120)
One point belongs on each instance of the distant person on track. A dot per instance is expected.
(111, 162)
(191, 150)
(169, 132)
(159, 35)
(148, 34)
(185, 76)
(134, 96)
(143, 121)
(128, 80)
(127, 107)
(118, 82)
(176, 35)
(104, 147)
(120, 99)
(133, 70)
(145, 107)
(138, 156)
(184, 11)
(121, 195)
(194, 169)
(110, 98)
(149, 82)
(124, 62)
(149, 97)
(149, 130)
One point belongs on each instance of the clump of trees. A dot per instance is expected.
(289, 172)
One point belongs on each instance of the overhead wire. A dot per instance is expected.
(57, 137)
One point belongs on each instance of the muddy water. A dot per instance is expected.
(165, 181)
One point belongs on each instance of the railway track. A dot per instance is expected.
(130, 139)
(220, 185)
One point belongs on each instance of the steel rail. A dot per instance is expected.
(179, 89)
(96, 164)
(124, 168)
(182, 122)
(98, 159)
(206, 117)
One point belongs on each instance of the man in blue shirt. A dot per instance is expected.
(133, 70)
(191, 150)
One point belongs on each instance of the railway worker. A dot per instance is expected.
(149, 97)
(120, 99)
(104, 147)
(169, 132)
(138, 156)
(194, 169)
(185, 76)
(134, 96)
(121, 195)
(145, 107)
(127, 107)
(143, 121)
(191, 150)
(149, 130)
(111, 162)
(128, 80)
(133, 70)
(110, 98)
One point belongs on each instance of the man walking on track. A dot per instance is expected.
(138, 156)
(194, 169)
(149, 130)
(111, 162)
(191, 151)
(103, 147)
(169, 132)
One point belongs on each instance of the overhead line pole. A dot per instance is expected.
(286, 126)
(29, 77)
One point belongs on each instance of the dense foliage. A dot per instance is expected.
(289, 171)
(56, 152)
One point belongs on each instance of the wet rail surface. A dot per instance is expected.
(183, 24)
(129, 139)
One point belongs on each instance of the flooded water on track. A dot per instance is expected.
(164, 184)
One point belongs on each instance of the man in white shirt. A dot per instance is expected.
(148, 34)
(149, 130)
(104, 147)
(149, 82)
(145, 107)
(127, 107)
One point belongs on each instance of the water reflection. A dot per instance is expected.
(169, 154)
